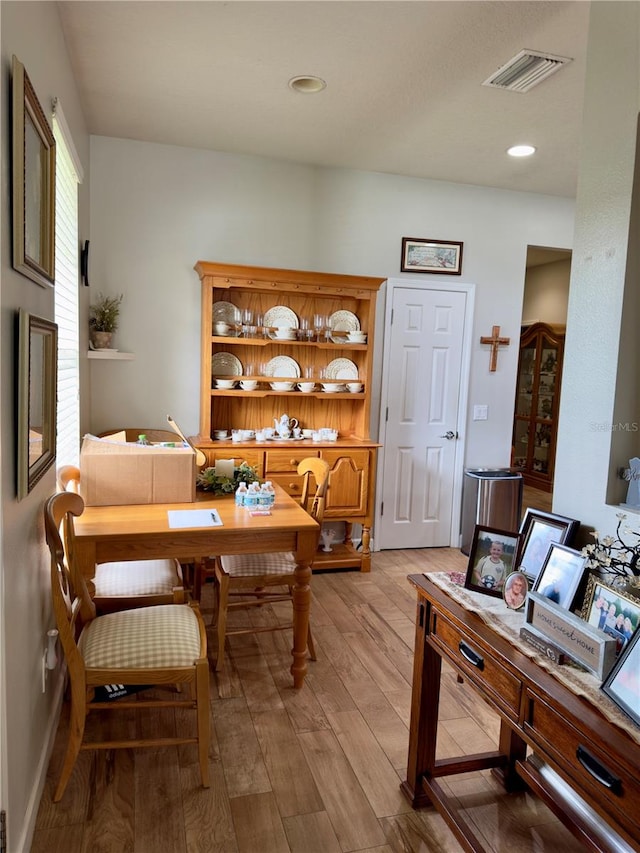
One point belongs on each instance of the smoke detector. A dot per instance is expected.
(525, 70)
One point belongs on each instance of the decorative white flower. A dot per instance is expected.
(615, 555)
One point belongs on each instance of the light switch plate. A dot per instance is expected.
(480, 413)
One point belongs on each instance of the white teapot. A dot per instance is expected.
(285, 425)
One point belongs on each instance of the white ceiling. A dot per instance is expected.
(403, 96)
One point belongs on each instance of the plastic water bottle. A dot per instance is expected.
(266, 497)
(270, 494)
(251, 498)
(142, 439)
(241, 493)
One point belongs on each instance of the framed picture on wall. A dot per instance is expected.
(424, 255)
(33, 183)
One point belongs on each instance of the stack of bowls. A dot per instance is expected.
(357, 337)
(285, 334)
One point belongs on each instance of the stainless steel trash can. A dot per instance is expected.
(491, 497)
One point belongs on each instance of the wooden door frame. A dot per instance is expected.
(469, 290)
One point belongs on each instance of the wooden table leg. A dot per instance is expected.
(307, 543)
(425, 700)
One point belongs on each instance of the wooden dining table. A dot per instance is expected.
(142, 531)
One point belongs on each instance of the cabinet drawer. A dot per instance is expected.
(286, 460)
(494, 681)
(595, 767)
(291, 483)
(252, 457)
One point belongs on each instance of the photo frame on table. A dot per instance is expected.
(33, 183)
(538, 530)
(560, 575)
(614, 611)
(437, 256)
(37, 393)
(515, 589)
(623, 682)
(491, 559)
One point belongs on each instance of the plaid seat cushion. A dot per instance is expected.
(166, 635)
(250, 565)
(136, 577)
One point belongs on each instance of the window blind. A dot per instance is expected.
(66, 293)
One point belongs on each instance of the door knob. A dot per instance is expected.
(449, 435)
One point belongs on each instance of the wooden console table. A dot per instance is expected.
(597, 759)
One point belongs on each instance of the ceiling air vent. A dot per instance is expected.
(525, 71)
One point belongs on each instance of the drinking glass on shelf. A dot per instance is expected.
(309, 371)
(260, 326)
(248, 370)
(319, 324)
(247, 322)
(303, 333)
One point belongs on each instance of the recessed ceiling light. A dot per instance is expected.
(521, 150)
(307, 84)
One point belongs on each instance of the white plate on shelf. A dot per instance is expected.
(342, 368)
(283, 366)
(226, 364)
(226, 312)
(344, 321)
(282, 317)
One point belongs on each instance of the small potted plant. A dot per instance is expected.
(103, 320)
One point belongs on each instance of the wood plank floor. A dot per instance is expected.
(310, 771)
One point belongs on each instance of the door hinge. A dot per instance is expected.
(3, 831)
(391, 321)
(386, 415)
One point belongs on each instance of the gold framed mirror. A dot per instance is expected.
(37, 393)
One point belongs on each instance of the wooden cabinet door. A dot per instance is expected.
(348, 483)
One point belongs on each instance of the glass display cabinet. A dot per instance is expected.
(537, 399)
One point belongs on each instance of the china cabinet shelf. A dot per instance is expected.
(240, 290)
(537, 403)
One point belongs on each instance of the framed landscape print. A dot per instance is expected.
(439, 256)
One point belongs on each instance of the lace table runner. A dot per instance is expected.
(507, 623)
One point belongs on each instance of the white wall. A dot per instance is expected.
(32, 32)
(605, 259)
(546, 293)
(156, 210)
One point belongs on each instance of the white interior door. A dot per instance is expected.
(422, 417)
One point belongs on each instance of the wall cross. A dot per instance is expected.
(496, 341)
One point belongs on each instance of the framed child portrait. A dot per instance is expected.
(538, 531)
(491, 559)
(560, 575)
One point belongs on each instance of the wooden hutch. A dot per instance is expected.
(535, 422)
(238, 289)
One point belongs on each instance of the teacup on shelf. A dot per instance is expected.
(225, 384)
(354, 387)
(332, 387)
(282, 386)
(221, 434)
(248, 384)
(357, 337)
(307, 387)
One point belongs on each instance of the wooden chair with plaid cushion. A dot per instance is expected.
(250, 578)
(130, 583)
(159, 645)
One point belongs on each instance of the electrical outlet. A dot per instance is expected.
(480, 413)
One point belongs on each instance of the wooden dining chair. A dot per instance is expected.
(126, 584)
(157, 646)
(250, 578)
